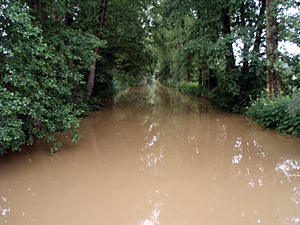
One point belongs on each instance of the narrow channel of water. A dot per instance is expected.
(156, 157)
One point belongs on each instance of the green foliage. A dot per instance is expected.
(191, 88)
(192, 40)
(282, 113)
(11, 133)
(46, 54)
(290, 73)
(41, 79)
(235, 91)
(126, 58)
(118, 86)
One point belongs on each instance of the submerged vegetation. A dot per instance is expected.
(61, 59)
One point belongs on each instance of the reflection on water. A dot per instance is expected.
(155, 200)
(153, 152)
(296, 196)
(5, 209)
(290, 221)
(289, 168)
(156, 157)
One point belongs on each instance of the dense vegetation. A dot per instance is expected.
(61, 59)
(49, 50)
(228, 51)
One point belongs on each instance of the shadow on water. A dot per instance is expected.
(156, 156)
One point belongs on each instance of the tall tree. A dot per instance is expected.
(226, 30)
(274, 82)
(260, 26)
(91, 79)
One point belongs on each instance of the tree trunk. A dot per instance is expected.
(245, 55)
(43, 11)
(227, 31)
(188, 74)
(200, 79)
(274, 83)
(92, 74)
(187, 70)
(260, 26)
(187, 67)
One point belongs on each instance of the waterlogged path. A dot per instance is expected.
(156, 157)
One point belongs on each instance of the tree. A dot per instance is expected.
(91, 79)
(42, 74)
(274, 83)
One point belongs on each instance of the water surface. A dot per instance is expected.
(156, 157)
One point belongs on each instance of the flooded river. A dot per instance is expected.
(156, 157)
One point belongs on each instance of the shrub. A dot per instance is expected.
(227, 100)
(282, 113)
(191, 88)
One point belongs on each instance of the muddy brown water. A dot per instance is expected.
(156, 157)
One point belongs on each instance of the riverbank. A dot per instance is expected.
(281, 113)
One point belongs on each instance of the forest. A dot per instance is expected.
(59, 60)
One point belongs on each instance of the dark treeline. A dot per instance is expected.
(61, 59)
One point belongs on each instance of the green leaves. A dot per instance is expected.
(42, 78)
(191, 88)
(46, 54)
(282, 113)
(11, 133)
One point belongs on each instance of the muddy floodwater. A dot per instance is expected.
(156, 157)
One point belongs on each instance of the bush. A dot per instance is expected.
(227, 100)
(191, 88)
(282, 113)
